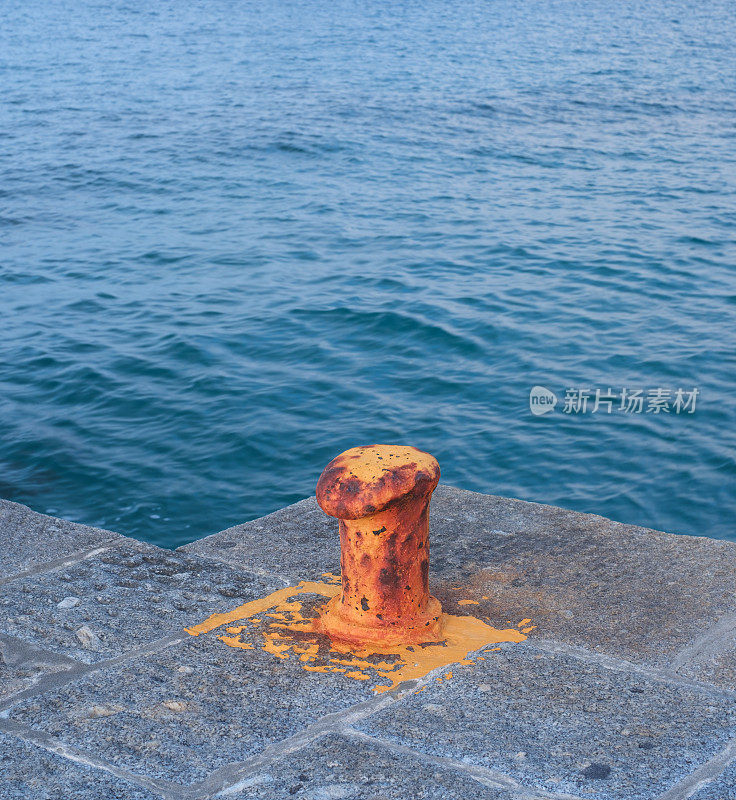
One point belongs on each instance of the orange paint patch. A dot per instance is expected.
(277, 600)
(358, 676)
(296, 636)
(234, 641)
(468, 603)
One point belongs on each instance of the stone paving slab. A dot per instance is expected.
(338, 768)
(181, 713)
(632, 592)
(556, 722)
(299, 542)
(124, 597)
(30, 539)
(619, 589)
(27, 771)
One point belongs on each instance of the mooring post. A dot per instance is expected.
(380, 494)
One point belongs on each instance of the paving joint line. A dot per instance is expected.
(233, 777)
(247, 568)
(621, 665)
(19, 653)
(56, 680)
(167, 790)
(492, 778)
(709, 643)
(703, 775)
(65, 561)
(222, 782)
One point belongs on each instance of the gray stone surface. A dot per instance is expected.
(27, 771)
(127, 596)
(560, 723)
(338, 768)
(29, 539)
(299, 542)
(229, 704)
(721, 788)
(627, 591)
(718, 669)
(712, 657)
(22, 666)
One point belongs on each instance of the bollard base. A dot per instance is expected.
(345, 627)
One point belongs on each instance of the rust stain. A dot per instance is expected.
(364, 480)
(380, 494)
(297, 634)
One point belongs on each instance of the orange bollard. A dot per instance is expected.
(380, 494)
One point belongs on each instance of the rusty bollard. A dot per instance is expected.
(380, 494)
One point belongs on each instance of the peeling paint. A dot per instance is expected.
(380, 494)
(286, 624)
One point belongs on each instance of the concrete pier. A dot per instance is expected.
(612, 676)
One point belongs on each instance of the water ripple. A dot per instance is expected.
(239, 240)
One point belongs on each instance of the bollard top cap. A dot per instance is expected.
(364, 480)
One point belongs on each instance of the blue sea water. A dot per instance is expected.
(239, 237)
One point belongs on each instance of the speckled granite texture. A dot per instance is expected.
(624, 690)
